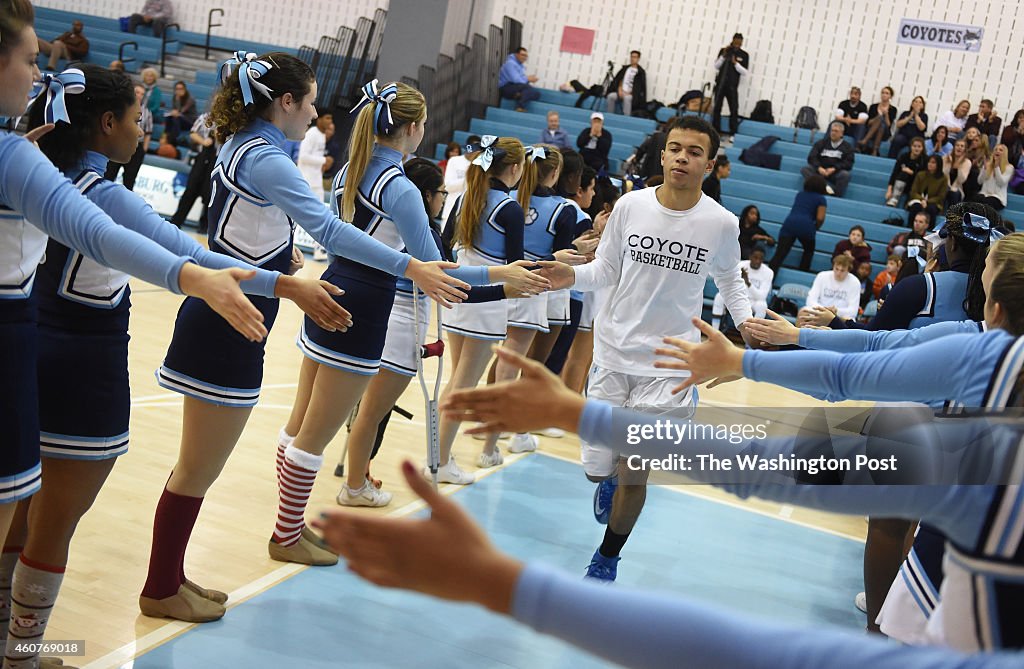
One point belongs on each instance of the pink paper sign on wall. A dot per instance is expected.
(577, 40)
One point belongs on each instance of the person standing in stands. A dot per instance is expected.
(199, 184)
(732, 64)
(71, 45)
(132, 167)
(595, 142)
(514, 83)
(155, 13)
(805, 218)
(629, 87)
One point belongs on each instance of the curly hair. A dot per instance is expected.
(229, 114)
(974, 301)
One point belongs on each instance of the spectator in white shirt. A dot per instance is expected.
(758, 276)
(994, 177)
(313, 159)
(836, 289)
(455, 179)
(955, 119)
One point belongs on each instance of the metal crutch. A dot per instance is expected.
(433, 350)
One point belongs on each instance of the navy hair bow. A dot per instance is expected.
(383, 122)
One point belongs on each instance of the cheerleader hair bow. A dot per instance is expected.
(535, 153)
(979, 229)
(488, 151)
(55, 87)
(250, 69)
(383, 122)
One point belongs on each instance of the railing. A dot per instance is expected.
(210, 25)
(121, 50)
(163, 46)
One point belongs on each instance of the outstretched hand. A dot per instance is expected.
(446, 555)
(716, 358)
(775, 330)
(536, 400)
(559, 274)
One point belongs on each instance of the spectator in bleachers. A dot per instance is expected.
(70, 45)
(836, 288)
(938, 143)
(903, 241)
(955, 120)
(886, 277)
(854, 247)
(155, 13)
(594, 143)
(453, 149)
(712, 185)
(832, 158)
(153, 98)
(199, 184)
(758, 276)
(514, 83)
(732, 63)
(986, 120)
(863, 274)
(804, 219)
(881, 119)
(648, 154)
(928, 192)
(853, 114)
(182, 115)
(166, 148)
(628, 87)
(995, 176)
(1013, 137)
(553, 134)
(903, 172)
(131, 168)
(752, 235)
(957, 168)
(116, 66)
(911, 123)
(455, 179)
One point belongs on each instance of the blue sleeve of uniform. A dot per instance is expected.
(632, 628)
(134, 213)
(959, 511)
(904, 302)
(405, 206)
(910, 375)
(858, 341)
(31, 185)
(510, 218)
(276, 178)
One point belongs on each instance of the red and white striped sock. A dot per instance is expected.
(284, 440)
(298, 473)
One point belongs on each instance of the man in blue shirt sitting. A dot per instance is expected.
(514, 83)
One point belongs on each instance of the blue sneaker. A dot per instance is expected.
(602, 568)
(603, 499)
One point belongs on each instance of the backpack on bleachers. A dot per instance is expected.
(806, 118)
(763, 112)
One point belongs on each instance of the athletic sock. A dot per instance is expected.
(34, 590)
(8, 560)
(284, 440)
(613, 543)
(172, 527)
(298, 473)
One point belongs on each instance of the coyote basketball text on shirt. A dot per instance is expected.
(657, 260)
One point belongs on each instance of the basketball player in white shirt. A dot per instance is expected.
(759, 277)
(658, 248)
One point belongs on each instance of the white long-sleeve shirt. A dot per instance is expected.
(312, 156)
(760, 281)
(454, 181)
(656, 261)
(827, 292)
(995, 185)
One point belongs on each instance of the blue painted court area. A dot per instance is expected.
(536, 508)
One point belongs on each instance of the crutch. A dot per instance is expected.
(424, 351)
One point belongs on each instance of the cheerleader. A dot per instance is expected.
(83, 322)
(486, 227)
(398, 360)
(549, 229)
(34, 193)
(258, 195)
